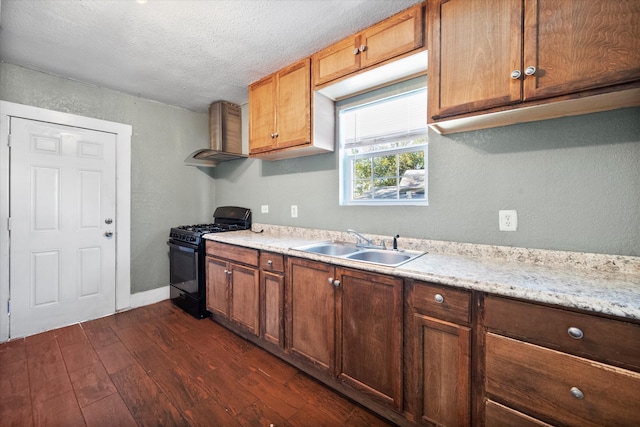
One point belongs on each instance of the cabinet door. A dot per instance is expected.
(474, 46)
(217, 289)
(580, 45)
(442, 360)
(336, 61)
(293, 119)
(311, 309)
(272, 303)
(262, 115)
(245, 297)
(369, 331)
(399, 34)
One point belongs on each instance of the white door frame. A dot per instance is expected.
(123, 196)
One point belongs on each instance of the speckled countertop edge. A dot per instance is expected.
(607, 284)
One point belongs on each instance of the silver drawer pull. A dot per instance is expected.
(270, 263)
(438, 298)
(577, 393)
(575, 333)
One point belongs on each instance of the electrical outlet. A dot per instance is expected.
(508, 220)
(294, 211)
(264, 208)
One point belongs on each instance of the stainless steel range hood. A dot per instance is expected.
(225, 131)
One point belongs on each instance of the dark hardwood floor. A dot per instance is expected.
(157, 366)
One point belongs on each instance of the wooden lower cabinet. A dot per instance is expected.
(420, 353)
(348, 325)
(555, 366)
(272, 298)
(443, 371)
(232, 287)
(439, 377)
(311, 306)
(369, 335)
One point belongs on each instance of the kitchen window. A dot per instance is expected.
(383, 148)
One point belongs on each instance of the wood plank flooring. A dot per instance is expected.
(158, 366)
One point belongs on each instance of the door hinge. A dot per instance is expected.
(9, 140)
(8, 307)
(9, 223)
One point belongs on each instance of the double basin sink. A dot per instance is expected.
(386, 257)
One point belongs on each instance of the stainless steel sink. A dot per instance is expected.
(331, 248)
(380, 257)
(350, 251)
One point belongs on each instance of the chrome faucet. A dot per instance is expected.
(363, 242)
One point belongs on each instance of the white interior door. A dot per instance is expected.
(63, 211)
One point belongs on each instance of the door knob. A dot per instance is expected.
(108, 221)
(108, 233)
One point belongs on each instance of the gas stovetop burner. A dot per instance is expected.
(210, 228)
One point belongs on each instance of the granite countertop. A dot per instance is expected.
(607, 284)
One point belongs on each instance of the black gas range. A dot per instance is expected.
(186, 257)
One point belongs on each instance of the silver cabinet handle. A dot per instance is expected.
(108, 221)
(530, 70)
(270, 263)
(438, 298)
(362, 48)
(336, 283)
(575, 333)
(108, 233)
(577, 393)
(330, 280)
(356, 51)
(227, 272)
(515, 74)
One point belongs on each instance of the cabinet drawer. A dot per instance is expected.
(560, 387)
(442, 302)
(232, 253)
(607, 340)
(270, 261)
(497, 415)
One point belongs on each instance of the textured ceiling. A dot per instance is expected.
(180, 52)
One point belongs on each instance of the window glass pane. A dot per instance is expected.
(362, 189)
(362, 168)
(411, 161)
(384, 166)
(383, 150)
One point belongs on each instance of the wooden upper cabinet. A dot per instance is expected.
(580, 45)
(284, 114)
(336, 61)
(262, 114)
(280, 109)
(476, 45)
(293, 107)
(395, 36)
(392, 37)
(501, 55)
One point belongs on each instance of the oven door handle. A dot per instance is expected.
(190, 249)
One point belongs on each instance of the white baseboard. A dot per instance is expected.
(149, 297)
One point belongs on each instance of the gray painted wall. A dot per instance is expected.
(164, 192)
(574, 181)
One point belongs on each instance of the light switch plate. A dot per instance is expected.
(264, 208)
(294, 211)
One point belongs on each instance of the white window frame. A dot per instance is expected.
(346, 160)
